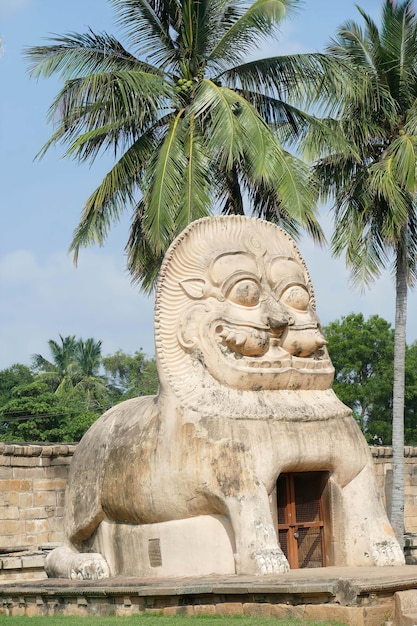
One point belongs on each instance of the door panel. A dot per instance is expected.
(300, 518)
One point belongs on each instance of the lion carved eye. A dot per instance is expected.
(296, 297)
(245, 292)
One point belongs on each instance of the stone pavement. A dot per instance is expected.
(361, 596)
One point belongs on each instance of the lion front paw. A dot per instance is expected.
(271, 561)
(387, 552)
(88, 566)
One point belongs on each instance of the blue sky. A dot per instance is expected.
(42, 295)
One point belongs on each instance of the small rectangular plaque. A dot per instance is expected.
(154, 551)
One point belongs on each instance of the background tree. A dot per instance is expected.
(59, 373)
(61, 403)
(191, 119)
(35, 414)
(131, 375)
(74, 368)
(373, 176)
(362, 354)
(87, 363)
(16, 374)
(410, 404)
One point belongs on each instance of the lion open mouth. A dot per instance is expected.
(260, 347)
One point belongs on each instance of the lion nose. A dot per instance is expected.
(275, 316)
(302, 341)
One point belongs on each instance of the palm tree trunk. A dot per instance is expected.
(397, 502)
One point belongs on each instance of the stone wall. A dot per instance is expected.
(383, 463)
(33, 479)
(32, 486)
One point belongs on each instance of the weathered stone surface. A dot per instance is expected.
(406, 607)
(245, 395)
(229, 608)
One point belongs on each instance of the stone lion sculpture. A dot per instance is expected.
(245, 395)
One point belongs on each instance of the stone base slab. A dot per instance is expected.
(355, 596)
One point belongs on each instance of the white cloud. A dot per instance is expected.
(42, 300)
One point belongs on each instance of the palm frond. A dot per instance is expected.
(384, 183)
(300, 78)
(148, 25)
(230, 193)
(195, 198)
(267, 206)
(109, 200)
(112, 105)
(205, 25)
(39, 362)
(74, 55)
(142, 261)
(297, 192)
(163, 186)
(400, 49)
(358, 235)
(213, 106)
(255, 25)
(320, 138)
(351, 45)
(411, 244)
(410, 120)
(403, 152)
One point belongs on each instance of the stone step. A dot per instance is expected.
(408, 620)
(406, 607)
(23, 566)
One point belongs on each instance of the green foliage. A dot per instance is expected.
(362, 352)
(59, 399)
(367, 154)
(410, 408)
(58, 374)
(131, 375)
(12, 376)
(74, 368)
(35, 414)
(194, 127)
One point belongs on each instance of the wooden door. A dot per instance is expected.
(300, 518)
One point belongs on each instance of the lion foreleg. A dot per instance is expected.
(257, 548)
(370, 539)
(83, 515)
(66, 562)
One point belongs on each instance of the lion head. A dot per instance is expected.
(235, 305)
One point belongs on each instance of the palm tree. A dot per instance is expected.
(74, 368)
(192, 121)
(59, 373)
(373, 178)
(87, 365)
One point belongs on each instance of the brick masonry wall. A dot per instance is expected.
(33, 479)
(32, 486)
(382, 456)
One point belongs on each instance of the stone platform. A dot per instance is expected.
(358, 596)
